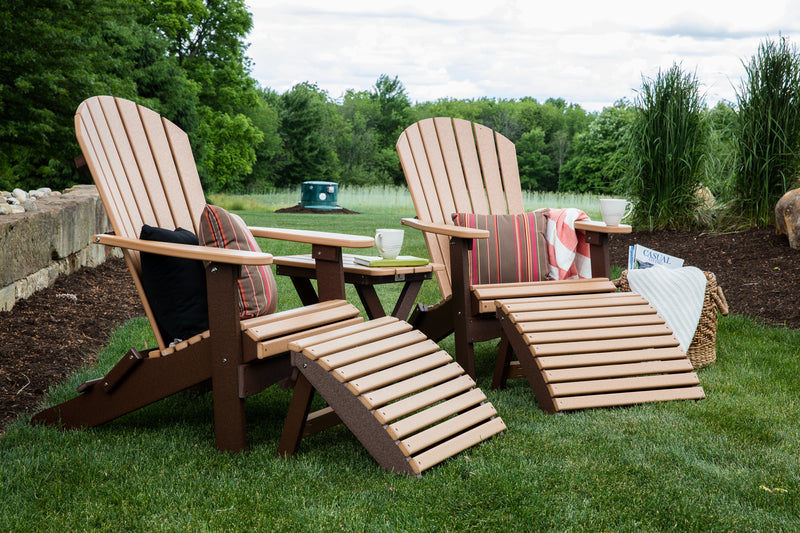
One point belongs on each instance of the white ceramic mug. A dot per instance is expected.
(614, 210)
(388, 242)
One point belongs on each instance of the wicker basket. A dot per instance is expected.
(702, 350)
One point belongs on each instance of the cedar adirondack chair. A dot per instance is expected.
(455, 166)
(372, 374)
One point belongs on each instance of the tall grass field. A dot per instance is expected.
(730, 462)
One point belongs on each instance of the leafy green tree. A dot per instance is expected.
(229, 152)
(270, 156)
(207, 40)
(358, 143)
(666, 150)
(500, 116)
(534, 164)
(53, 55)
(309, 152)
(768, 137)
(394, 116)
(598, 162)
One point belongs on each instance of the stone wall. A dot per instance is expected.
(36, 247)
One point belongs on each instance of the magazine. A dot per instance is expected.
(642, 257)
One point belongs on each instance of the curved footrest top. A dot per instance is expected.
(405, 399)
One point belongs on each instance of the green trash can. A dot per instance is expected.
(322, 195)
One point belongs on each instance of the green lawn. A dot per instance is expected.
(730, 462)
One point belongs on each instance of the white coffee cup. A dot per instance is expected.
(389, 242)
(614, 210)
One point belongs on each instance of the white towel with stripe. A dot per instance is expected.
(567, 250)
(676, 293)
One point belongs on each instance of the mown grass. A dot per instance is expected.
(726, 463)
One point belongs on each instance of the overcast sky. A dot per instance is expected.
(589, 52)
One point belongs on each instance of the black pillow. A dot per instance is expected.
(175, 287)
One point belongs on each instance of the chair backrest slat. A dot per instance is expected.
(457, 185)
(472, 166)
(126, 177)
(509, 169)
(411, 151)
(167, 172)
(441, 184)
(453, 165)
(490, 166)
(187, 171)
(145, 165)
(98, 160)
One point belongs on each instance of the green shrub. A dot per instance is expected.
(768, 134)
(666, 150)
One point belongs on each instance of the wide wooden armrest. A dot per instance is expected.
(186, 251)
(446, 229)
(600, 227)
(324, 238)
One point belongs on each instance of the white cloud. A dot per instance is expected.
(587, 52)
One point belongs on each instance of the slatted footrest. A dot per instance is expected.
(598, 350)
(402, 396)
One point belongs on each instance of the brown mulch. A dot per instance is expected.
(55, 331)
(300, 209)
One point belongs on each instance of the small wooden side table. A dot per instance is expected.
(300, 268)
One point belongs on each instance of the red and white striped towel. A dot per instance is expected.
(567, 251)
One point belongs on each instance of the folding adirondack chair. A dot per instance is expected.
(372, 374)
(455, 166)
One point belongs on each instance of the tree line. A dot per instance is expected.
(187, 60)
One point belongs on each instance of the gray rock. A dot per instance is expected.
(19, 194)
(4, 210)
(29, 205)
(16, 209)
(787, 217)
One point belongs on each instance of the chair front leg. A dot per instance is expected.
(226, 356)
(461, 308)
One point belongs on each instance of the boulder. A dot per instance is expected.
(787, 217)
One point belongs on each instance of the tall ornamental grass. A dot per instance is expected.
(769, 130)
(666, 150)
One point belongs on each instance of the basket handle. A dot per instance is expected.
(719, 299)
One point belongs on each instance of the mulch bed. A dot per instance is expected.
(300, 209)
(57, 330)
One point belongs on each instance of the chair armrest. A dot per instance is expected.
(446, 229)
(314, 237)
(600, 227)
(186, 251)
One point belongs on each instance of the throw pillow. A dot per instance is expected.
(256, 288)
(175, 287)
(515, 251)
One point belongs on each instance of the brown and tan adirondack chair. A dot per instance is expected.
(455, 166)
(404, 399)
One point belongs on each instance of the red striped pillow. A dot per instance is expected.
(256, 288)
(515, 251)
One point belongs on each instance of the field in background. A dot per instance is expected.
(378, 199)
